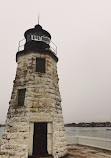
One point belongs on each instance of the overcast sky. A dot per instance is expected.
(81, 29)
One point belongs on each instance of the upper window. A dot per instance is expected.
(21, 97)
(40, 65)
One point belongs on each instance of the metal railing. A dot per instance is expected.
(21, 45)
(22, 42)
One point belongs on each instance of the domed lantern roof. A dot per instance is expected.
(37, 34)
(37, 39)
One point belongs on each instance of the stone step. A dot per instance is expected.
(40, 157)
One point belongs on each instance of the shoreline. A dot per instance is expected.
(89, 124)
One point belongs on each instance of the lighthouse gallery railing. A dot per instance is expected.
(22, 42)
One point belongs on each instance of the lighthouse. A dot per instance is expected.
(34, 125)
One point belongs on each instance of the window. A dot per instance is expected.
(21, 97)
(40, 65)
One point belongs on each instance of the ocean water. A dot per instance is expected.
(101, 132)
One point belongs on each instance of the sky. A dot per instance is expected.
(81, 29)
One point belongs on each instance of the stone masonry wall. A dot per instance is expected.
(42, 104)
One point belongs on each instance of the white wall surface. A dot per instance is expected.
(90, 141)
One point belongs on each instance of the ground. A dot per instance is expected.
(79, 151)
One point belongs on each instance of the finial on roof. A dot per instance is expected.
(38, 18)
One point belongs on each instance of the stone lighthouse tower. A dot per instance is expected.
(34, 125)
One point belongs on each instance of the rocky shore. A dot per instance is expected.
(89, 124)
(80, 151)
(2, 125)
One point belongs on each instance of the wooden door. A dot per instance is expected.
(40, 139)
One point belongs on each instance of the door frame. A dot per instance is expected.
(49, 138)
